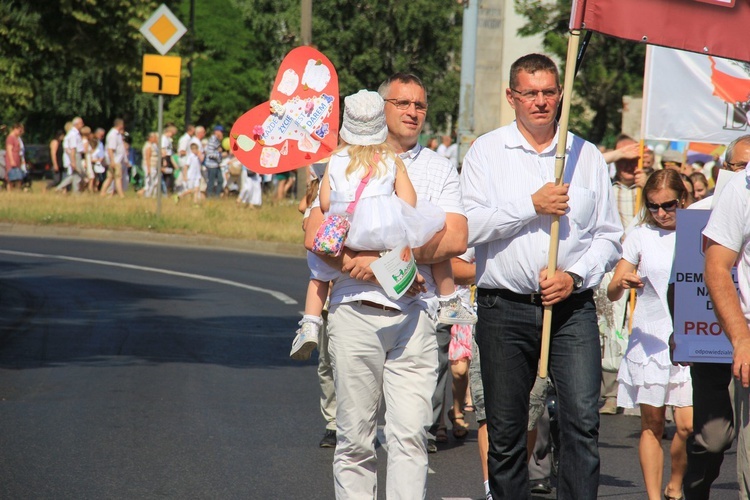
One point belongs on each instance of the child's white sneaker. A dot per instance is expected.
(305, 341)
(453, 312)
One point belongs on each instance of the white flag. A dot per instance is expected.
(694, 97)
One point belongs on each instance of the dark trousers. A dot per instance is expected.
(214, 182)
(443, 336)
(509, 339)
(713, 427)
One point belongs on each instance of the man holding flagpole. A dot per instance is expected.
(510, 199)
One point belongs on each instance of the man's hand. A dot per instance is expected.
(629, 152)
(551, 199)
(417, 286)
(741, 361)
(358, 266)
(640, 178)
(555, 289)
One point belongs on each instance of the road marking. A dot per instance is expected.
(286, 299)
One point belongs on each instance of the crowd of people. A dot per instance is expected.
(82, 160)
(495, 234)
(480, 240)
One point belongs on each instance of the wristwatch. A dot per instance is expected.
(577, 280)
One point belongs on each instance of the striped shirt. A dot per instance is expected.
(625, 198)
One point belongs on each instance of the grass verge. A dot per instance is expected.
(216, 217)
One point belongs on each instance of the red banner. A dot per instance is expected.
(712, 27)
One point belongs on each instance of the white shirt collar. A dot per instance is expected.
(412, 153)
(517, 140)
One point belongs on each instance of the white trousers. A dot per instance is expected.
(379, 353)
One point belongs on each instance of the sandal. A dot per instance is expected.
(667, 497)
(460, 428)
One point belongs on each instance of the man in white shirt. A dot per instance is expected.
(200, 133)
(713, 417)
(394, 340)
(449, 150)
(183, 144)
(73, 157)
(510, 197)
(115, 149)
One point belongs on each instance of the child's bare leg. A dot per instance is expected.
(443, 276)
(317, 293)
(452, 311)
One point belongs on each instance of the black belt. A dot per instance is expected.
(528, 298)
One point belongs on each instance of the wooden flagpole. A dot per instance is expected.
(562, 141)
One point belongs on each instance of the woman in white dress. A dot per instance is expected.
(647, 376)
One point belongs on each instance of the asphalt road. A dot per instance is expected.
(148, 371)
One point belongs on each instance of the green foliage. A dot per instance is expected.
(227, 79)
(72, 57)
(66, 58)
(368, 40)
(611, 69)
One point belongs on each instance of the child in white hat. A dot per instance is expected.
(387, 214)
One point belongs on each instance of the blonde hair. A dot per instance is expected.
(312, 191)
(364, 157)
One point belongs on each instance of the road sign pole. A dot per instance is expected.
(158, 157)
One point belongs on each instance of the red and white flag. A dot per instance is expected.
(714, 27)
(694, 97)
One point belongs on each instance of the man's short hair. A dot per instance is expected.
(743, 139)
(531, 63)
(406, 78)
(624, 137)
(118, 122)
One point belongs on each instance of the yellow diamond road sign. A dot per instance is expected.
(161, 74)
(163, 29)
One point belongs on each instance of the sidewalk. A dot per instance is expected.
(127, 236)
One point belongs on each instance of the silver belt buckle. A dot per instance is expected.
(535, 297)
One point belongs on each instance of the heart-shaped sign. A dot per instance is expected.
(299, 125)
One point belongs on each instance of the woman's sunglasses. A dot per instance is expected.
(667, 206)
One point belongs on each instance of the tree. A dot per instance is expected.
(611, 69)
(227, 61)
(66, 58)
(368, 40)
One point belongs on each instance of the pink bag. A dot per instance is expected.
(331, 235)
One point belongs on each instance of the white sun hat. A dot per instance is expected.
(364, 119)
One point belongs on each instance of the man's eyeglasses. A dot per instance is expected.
(404, 104)
(667, 206)
(735, 166)
(530, 95)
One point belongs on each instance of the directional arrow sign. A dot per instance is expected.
(161, 74)
(163, 29)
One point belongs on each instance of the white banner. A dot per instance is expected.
(694, 97)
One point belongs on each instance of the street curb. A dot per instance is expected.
(143, 237)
